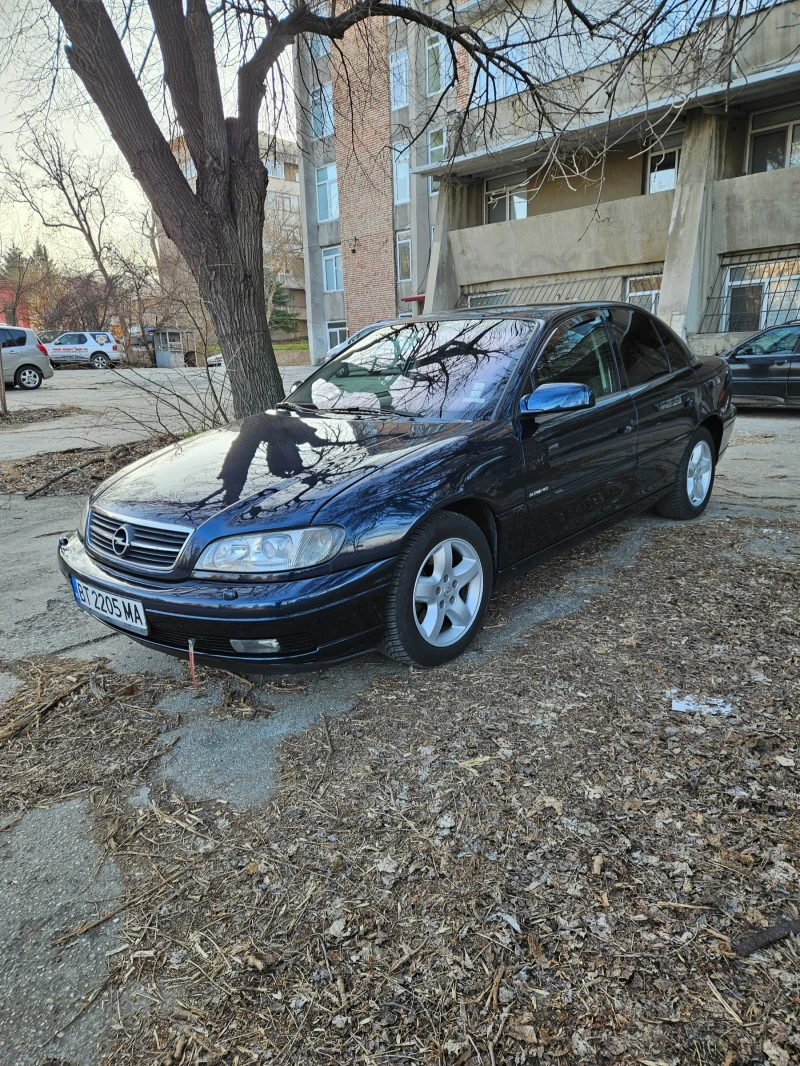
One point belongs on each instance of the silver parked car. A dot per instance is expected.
(97, 348)
(25, 360)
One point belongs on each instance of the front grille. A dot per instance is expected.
(151, 547)
(293, 644)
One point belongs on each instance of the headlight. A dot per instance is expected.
(268, 553)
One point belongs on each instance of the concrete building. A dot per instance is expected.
(691, 209)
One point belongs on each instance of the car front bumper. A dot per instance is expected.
(316, 620)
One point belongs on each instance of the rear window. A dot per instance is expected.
(643, 355)
(101, 338)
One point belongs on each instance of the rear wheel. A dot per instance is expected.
(439, 592)
(99, 361)
(28, 377)
(695, 480)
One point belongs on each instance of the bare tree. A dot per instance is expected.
(218, 225)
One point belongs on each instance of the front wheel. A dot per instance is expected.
(439, 592)
(28, 377)
(100, 361)
(695, 480)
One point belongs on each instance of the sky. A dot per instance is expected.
(25, 86)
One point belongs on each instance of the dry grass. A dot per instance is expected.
(531, 859)
(39, 414)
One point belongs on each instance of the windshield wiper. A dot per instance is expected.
(301, 408)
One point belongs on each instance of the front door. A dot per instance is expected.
(761, 367)
(580, 465)
(664, 394)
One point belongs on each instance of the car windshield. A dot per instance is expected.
(453, 369)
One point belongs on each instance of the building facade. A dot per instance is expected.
(687, 201)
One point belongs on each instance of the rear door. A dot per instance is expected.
(580, 465)
(14, 342)
(664, 393)
(761, 366)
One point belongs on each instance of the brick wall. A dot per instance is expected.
(362, 134)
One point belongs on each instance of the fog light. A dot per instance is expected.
(265, 647)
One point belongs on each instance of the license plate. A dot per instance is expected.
(129, 614)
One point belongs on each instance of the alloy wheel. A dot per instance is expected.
(448, 592)
(28, 379)
(698, 473)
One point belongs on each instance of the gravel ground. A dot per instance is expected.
(550, 853)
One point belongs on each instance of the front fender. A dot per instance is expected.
(484, 463)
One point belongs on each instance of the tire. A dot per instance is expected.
(445, 541)
(695, 480)
(99, 361)
(28, 377)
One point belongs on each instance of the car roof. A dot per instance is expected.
(527, 311)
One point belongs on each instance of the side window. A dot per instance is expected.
(777, 340)
(639, 346)
(66, 338)
(13, 339)
(101, 338)
(80, 338)
(676, 353)
(579, 351)
(3, 337)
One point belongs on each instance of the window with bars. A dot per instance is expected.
(548, 291)
(644, 291)
(754, 290)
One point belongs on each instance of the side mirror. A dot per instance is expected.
(557, 396)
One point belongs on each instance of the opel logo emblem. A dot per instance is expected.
(121, 540)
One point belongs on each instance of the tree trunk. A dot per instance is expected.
(235, 301)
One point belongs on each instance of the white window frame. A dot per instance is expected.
(402, 237)
(433, 183)
(401, 171)
(752, 134)
(329, 187)
(655, 152)
(322, 105)
(765, 311)
(654, 294)
(337, 327)
(398, 79)
(276, 168)
(504, 193)
(494, 85)
(436, 42)
(333, 255)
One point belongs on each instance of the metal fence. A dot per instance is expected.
(641, 289)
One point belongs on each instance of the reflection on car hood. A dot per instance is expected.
(274, 463)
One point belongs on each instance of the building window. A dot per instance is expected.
(662, 169)
(754, 290)
(506, 198)
(337, 334)
(283, 201)
(438, 65)
(276, 168)
(327, 193)
(189, 170)
(398, 79)
(495, 84)
(775, 139)
(403, 256)
(322, 111)
(401, 172)
(644, 291)
(318, 45)
(398, 3)
(332, 269)
(436, 145)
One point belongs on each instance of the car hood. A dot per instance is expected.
(276, 465)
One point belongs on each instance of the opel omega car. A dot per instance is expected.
(381, 503)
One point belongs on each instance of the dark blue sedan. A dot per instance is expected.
(390, 493)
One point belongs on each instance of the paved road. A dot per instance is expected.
(118, 406)
(233, 760)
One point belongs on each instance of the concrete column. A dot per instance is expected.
(455, 210)
(689, 262)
